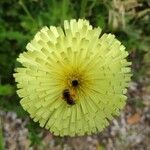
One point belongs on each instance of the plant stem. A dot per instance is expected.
(65, 5)
(26, 10)
(82, 10)
(1, 136)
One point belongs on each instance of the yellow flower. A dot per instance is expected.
(72, 79)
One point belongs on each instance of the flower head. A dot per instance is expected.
(73, 79)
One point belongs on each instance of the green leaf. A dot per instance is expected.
(101, 22)
(6, 89)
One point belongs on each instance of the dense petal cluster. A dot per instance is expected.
(73, 79)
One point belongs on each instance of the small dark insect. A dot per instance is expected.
(75, 83)
(67, 97)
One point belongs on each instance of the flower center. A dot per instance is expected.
(75, 83)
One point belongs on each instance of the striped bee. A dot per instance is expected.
(67, 97)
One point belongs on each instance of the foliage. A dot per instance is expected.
(20, 20)
(1, 136)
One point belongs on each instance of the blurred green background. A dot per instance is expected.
(129, 20)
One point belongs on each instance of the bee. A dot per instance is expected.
(75, 83)
(67, 97)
